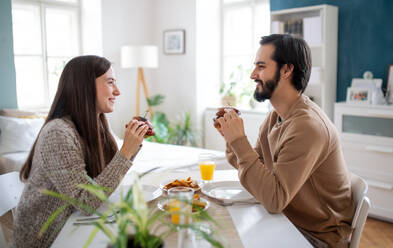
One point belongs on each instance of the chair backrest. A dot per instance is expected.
(362, 203)
(11, 190)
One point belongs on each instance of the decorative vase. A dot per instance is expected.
(228, 101)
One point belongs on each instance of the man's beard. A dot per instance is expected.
(268, 88)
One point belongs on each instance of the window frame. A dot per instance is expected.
(235, 5)
(224, 7)
(43, 5)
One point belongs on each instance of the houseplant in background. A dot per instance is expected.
(182, 132)
(159, 121)
(228, 97)
(236, 88)
(241, 87)
(179, 133)
(246, 97)
(135, 224)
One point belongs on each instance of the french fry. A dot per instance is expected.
(188, 182)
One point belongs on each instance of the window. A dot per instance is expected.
(46, 36)
(244, 22)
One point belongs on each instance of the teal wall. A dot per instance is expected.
(7, 67)
(365, 37)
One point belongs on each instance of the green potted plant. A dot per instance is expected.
(150, 225)
(182, 132)
(228, 97)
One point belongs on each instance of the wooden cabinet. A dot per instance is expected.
(318, 25)
(252, 121)
(366, 133)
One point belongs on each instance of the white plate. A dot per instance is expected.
(162, 184)
(150, 192)
(227, 191)
(163, 202)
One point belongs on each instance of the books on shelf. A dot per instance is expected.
(308, 28)
(293, 27)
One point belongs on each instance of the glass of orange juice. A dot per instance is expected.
(180, 204)
(206, 166)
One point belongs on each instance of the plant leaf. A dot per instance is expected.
(98, 192)
(92, 235)
(106, 231)
(52, 218)
(155, 100)
(72, 201)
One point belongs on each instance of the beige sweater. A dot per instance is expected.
(58, 165)
(298, 168)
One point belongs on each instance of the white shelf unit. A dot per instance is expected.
(366, 133)
(320, 30)
(213, 139)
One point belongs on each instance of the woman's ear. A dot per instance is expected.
(287, 71)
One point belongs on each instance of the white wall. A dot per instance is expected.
(139, 22)
(126, 22)
(207, 58)
(91, 27)
(176, 76)
(143, 22)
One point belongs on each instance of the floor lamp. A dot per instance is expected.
(140, 57)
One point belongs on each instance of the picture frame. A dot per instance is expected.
(389, 85)
(174, 41)
(356, 95)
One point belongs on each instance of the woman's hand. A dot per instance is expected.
(133, 138)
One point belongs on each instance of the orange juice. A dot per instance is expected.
(207, 169)
(174, 209)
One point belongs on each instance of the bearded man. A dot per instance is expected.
(297, 166)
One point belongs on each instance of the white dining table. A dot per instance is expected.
(254, 225)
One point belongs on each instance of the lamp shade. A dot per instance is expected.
(139, 56)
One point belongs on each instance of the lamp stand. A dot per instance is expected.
(141, 80)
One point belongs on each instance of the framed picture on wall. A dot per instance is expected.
(174, 41)
(389, 85)
(359, 95)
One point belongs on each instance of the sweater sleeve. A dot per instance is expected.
(65, 167)
(231, 156)
(300, 153)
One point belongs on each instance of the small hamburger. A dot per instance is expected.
(220, 113)
(150, 131)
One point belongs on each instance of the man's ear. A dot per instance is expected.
(287, 71)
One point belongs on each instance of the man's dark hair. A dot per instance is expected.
(291, 51)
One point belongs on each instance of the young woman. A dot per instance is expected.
(75, 143)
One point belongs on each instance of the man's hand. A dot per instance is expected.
(232, 126)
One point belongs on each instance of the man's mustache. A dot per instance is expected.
(258, 81)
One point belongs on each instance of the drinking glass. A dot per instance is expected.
(206, 166)
(180, 204)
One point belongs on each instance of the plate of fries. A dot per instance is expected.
(187, 182)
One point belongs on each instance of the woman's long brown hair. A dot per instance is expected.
(76, 98)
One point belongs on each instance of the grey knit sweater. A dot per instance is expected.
(58, 165)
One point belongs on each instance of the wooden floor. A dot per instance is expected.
(376, 233)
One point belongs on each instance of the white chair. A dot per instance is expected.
(359, 190)
(11, 190)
